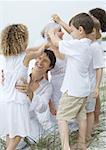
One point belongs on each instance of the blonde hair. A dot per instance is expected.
(14, 39)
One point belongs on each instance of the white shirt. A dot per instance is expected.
(13, 69)
(41, 97)
(76, 81)
(1, 67)
(97, 62)
(38, 109)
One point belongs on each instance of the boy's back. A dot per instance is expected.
(78, 59)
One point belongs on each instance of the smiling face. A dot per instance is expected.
(42, 65)
(43, 62)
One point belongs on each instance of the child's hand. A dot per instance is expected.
(22, 85)
(56, 18)
(52, 108)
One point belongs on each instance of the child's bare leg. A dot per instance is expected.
(7, 140)
(82, 134)
(64, 134)
(90, 123)
(97, 110)
(13, 142)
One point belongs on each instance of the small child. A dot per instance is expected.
(76, 84)
(14, 112)
(95, 71)
(100, 15)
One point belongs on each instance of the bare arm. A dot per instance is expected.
(52, 108)
(58, 20)
(34, 49)
(29, 89)
(33, 55)
(98, 80)
(53, 37)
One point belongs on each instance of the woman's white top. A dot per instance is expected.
(41, 97)
(57, 76)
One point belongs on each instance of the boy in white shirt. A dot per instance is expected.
(76, 85)
(95, 70)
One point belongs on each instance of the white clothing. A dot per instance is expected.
(1, 68)
(41, 97)
(14, 105)
(39, 111)
(96, 63)
(14, 70)
(76, 80)
(57, 76)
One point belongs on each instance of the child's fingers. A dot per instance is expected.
(22, 89)
(23, 80)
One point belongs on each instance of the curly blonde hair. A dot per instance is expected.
(14, 39)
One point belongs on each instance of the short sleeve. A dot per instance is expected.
(98, 59)
(69, 48)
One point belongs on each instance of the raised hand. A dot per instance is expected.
(56, 18)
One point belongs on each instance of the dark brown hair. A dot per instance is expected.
(83, 20)
(51, 56)
(100, 14)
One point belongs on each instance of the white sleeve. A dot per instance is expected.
(69, 48)
(40, 102)
(22, 73)
(98, 60)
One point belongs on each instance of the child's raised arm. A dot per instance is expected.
(58, 20)
(33, 54)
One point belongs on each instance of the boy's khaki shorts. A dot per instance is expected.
(71, 107)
